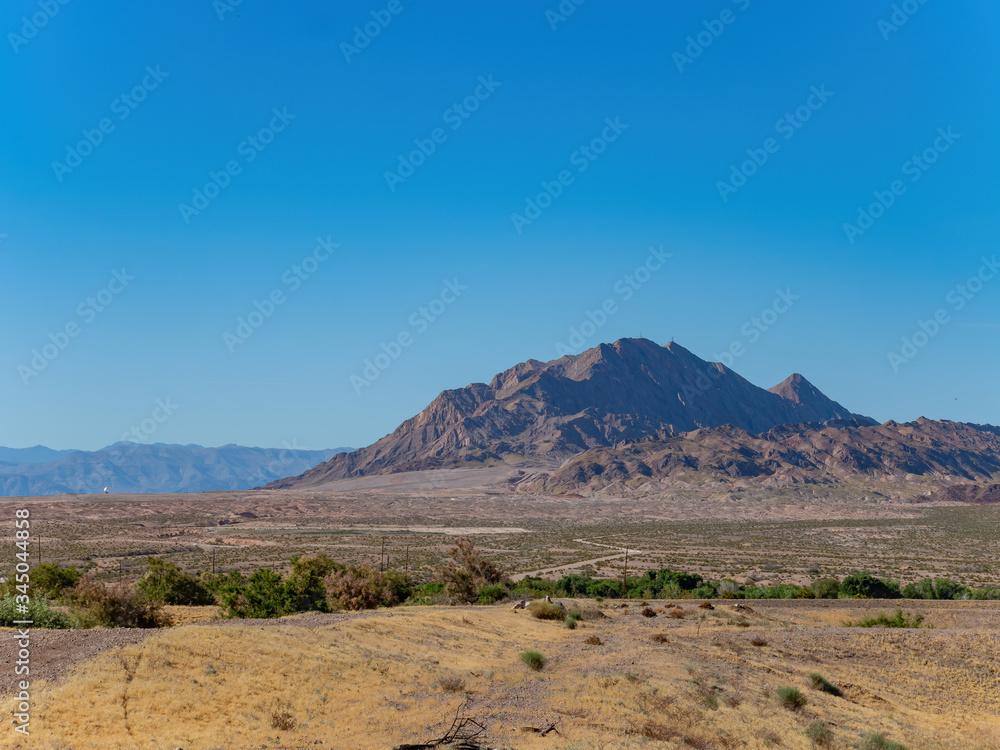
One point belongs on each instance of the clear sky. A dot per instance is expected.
(490, 173)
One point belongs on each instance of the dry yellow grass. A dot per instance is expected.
(181, 615)
(375, 680)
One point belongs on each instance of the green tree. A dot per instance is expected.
(263, 594)
(165, 583)
(53, 581)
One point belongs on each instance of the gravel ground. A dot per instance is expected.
(54, 651)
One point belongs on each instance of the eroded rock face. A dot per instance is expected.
(977, 494)
(809, 453)
(620, 393)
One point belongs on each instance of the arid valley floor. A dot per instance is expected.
(686, 677)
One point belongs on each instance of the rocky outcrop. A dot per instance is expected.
(628, 391)
(788, 455)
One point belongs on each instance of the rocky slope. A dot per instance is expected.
(787, 455)
(975, 494)
(630, 390)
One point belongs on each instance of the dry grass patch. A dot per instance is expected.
(372, 681)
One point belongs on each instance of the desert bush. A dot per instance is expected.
(937, 588)
(705, 605)
(281, 718)
(39, 612)
(660, 638)
(677, 614)
(365, 587)
(533, 587)
(452, 684)
(647, 612)
(865, 585)
(880, 742)
(492, 593)
(758, 641)
(306, 582)
(52, 581)
(115, 605)
(533, 660)
(781, 591)
(898, 620)
(821, 683)
(428, 593)
(791, 698)
(826, 588)
(165, 583)
(728, 586)
(819, 733)
(593, 640)
(468, 570)
(546, 611)
(571, 620)
(263, 595)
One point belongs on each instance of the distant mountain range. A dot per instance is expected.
(141, 468)
(603, 399)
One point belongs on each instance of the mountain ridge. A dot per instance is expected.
(631, 389)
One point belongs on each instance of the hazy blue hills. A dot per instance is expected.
(141, 468)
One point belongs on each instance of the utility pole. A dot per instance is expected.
(119, 571)
(213, 561)
(406, 568)
(625, 575)
(39, 551)
(381, 556)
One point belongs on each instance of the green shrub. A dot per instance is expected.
(492, 593)
(571, 619)
(865, 585)
(165, 583)
(791, 698)
(39, 612)
(262, 595)
(115, 605)
(533, 587)
(821, 683)
(937, 588)
(305, 582)
(898, 620)
(879, 742)
(534, 660)
(52, 581)
(826, 588)
(428, 593)
(819, 733)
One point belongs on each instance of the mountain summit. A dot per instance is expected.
(631, 390)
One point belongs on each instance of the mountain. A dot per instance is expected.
(788, 455)
(633, 389)
(976, 494)
(36, 455)
(140, 468)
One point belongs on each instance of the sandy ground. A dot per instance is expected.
(372, 680)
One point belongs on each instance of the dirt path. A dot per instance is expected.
(582, 563)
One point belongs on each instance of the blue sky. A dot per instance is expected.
(744, 136)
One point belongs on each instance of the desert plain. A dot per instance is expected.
(672, 674)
